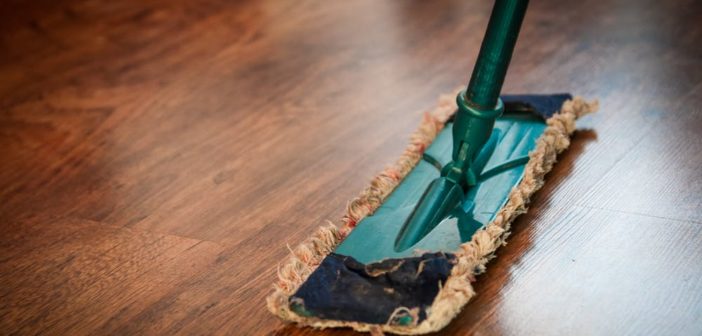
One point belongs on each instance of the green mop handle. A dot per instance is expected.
(495, 53)
(479, 105)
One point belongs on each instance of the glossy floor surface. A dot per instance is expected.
(156, 157)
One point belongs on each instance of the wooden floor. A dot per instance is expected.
(158, 157)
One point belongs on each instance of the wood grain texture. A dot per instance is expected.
(156, 157)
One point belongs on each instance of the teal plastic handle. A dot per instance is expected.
(495, 53)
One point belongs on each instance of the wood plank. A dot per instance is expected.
(660, 176)
(586, 271)
(66, 284)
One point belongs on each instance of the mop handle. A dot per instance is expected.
(495, 53)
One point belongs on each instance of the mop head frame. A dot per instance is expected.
(471, 256)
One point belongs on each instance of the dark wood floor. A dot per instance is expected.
(156, 157)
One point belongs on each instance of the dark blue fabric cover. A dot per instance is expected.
(543, 105)
(341, 288)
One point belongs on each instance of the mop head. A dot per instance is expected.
(469, 260)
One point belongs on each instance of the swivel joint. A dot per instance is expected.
(471, 130)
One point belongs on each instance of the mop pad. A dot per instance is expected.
(442, 281)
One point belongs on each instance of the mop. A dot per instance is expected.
(409, 246)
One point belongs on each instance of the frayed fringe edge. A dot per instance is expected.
(472, 256)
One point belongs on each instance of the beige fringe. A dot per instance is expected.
(472, 256)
